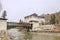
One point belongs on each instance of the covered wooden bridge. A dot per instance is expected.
(22, 25)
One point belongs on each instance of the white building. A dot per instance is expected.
(35, 20)
(3, 24)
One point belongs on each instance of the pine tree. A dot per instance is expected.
(4, 14)
(20, 21)
(52, 21)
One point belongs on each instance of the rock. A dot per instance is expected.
(4, 35)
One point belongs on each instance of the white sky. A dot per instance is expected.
(18, 9)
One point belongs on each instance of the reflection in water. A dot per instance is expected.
(18, 35)
(28, 36)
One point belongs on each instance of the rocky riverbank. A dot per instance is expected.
(4, 35)
(46, 33)
(15, 34)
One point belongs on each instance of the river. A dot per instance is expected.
(15, 34)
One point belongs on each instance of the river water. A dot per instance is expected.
(18, 35)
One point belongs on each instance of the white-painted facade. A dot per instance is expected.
(37, 23)
(35, 20)
(3, 24)
(44, 27)
(28, 19)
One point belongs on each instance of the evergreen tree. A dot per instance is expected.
(20, 21)
(52, 21)
(4, 14)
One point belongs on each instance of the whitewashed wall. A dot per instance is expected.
(35, 19)
(35, 24)
(44, 27)
(3, 24)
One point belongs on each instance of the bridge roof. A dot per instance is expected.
(18, 24)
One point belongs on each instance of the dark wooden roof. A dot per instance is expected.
(18, 24)
(34, 14)
(2, 19)
(40, 16)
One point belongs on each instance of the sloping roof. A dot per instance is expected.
(2, 19)
(34, 14)
(41, 16)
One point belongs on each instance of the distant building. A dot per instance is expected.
(34, 20)
(47, 18)
(57, 18)
(3, 21)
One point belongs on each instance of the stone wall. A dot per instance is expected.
(44, 27)
(57, 27)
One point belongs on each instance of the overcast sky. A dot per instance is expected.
(18, 9)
